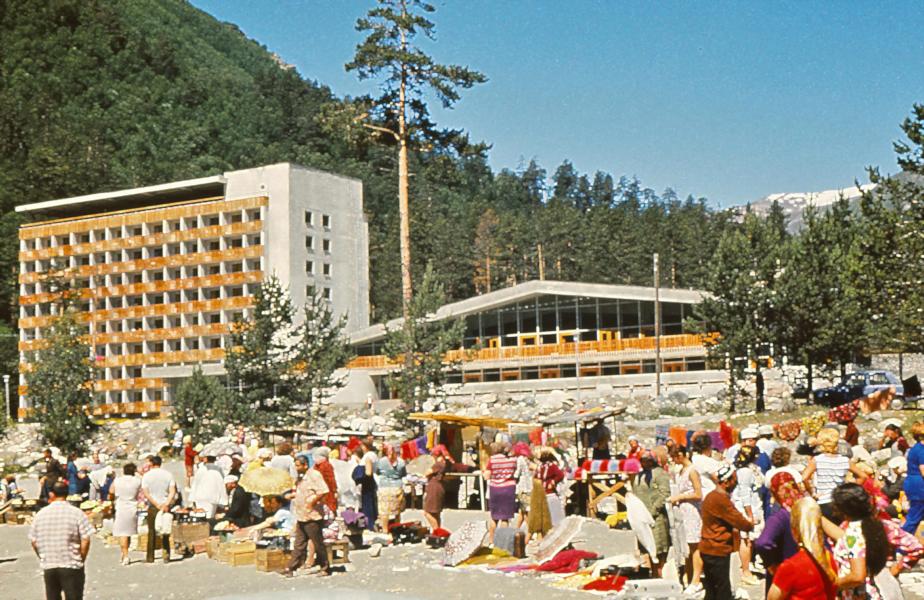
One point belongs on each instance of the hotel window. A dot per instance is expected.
(326, 269)
(309, 218)
(309, 242)
(326, 246)
(309, 267)
(325, 221)
(309, 290)
(327, 293)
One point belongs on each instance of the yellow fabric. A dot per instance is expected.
(576, 581)
(431, 439)
(616, 518)
(487, 556)
(495, 422)
(539, 519)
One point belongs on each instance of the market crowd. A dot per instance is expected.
(819, 515)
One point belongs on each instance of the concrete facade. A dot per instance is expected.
(574, 338)
(163, 271)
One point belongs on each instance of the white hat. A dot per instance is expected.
(860, 453)
(892, 421)
(765, 430)
(321, 451)
(231, 479)
(749, 433)
(897, 462)
(725, 473)
(265, 453)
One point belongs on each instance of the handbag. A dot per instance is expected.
(163, 523)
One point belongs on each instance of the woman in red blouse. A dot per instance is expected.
(809, 573)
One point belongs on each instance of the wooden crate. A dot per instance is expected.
(238, 554)
(143, 542)
(271, 560)
(211, 546)
(187, 533)
(338, 553)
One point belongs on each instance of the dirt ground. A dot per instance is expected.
(408, 572)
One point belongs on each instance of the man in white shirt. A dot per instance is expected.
(60, 536)
(159, 489)
(284, 461)
(765, 442)
(705, 465)
(208, 489)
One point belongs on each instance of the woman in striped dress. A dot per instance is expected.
(827, 470)
(501, 476)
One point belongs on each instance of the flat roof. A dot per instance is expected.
(533, 289)
(176, 191)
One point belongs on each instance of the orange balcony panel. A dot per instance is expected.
(167, 285)
(154, 310)
(546, 350)
(151, 214)
(141, 241)
(160, 358)
(549, 373)
(131, 266)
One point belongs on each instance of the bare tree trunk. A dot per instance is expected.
(405, 215)
(403, 207)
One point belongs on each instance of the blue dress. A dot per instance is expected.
(369, 498)
(71, 478)
(914, 482)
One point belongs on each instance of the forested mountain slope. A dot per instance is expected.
(98, 95)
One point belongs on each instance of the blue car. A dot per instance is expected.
(857, 385)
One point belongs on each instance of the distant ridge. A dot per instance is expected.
(794, 204)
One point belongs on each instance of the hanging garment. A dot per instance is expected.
(642, 524)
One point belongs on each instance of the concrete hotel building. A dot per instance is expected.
(163, 271)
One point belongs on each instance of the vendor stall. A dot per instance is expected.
(451, 430)
(598, 476)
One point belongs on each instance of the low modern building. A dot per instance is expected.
(163, 271)
(543, 336)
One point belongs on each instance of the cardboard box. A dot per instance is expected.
(271, 560)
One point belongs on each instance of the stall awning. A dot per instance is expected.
(569, 418)
(464, 421)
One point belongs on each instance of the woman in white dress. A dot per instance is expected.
(686, 497)
(124, 492)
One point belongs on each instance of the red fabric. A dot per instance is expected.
(612, 583)
(550, 475)
(566, 561)
(440, 532)
(535, 436)
(327, 472)
(727, 433)
(353, 443)
(409, 451)
(678, 435)
(802, 579)
(845, 413)
(189, 455)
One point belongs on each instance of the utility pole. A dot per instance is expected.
(657, 311)
(541, 264)
(6, 393)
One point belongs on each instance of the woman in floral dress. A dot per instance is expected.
(861, 547)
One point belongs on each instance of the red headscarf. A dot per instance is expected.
(327, 472)
(440, 450)
(784, 489)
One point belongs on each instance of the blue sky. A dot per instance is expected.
(727, 100)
